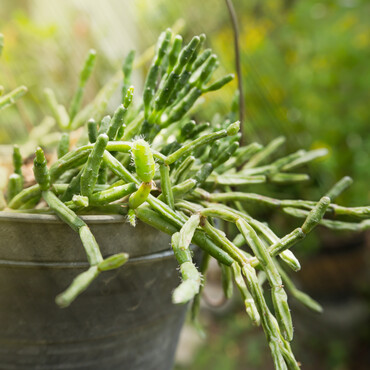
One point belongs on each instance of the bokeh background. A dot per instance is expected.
(306, 75)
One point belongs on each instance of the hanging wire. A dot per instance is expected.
(234, 22)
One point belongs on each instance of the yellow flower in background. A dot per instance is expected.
(291, 57)
(362, 40)
(276, 93)
(320, 62)
(345, 23)
(253, 35)
(221, 43)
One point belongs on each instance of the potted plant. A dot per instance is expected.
(166, 174)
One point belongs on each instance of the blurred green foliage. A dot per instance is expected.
(232, 344)
(306, 75)
(43, 54)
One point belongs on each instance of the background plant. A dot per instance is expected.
(42, 51)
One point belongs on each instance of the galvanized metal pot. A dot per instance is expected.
(125, 320)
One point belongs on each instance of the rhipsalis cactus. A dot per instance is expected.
(153, 162)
